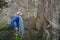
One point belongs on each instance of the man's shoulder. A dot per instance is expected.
(18, 16)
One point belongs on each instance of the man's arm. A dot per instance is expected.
(13, 22)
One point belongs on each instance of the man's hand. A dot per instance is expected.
(16, 28)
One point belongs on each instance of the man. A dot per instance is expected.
(17, 23)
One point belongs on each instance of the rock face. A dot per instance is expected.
(41, 18)
(49, 10)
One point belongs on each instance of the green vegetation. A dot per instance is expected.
(7, 33)
(3, 3)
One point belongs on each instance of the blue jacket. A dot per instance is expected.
(18, 22)
(15, 22)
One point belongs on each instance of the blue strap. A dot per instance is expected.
(21, 26)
